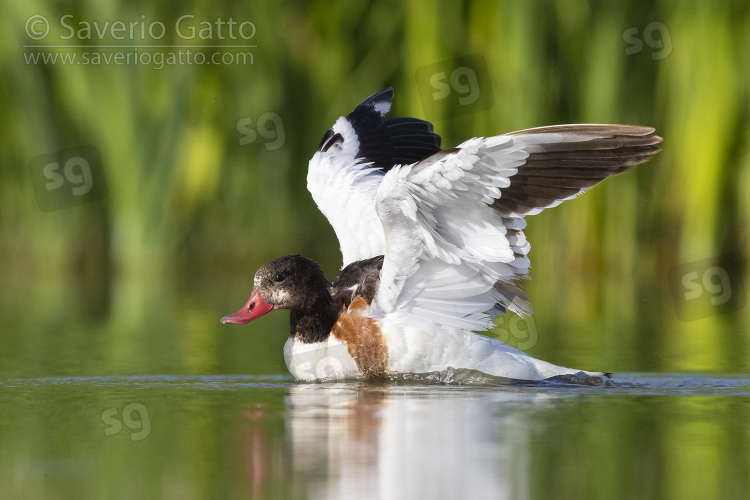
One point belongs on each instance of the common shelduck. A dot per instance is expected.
(432, 243)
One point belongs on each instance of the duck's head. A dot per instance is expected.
(291, 282)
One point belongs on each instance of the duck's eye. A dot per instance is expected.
(279, 278)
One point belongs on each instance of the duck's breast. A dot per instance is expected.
(356, 347)
(363, 337)
(329, 359)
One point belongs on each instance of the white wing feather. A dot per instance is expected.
(454, 222)
(344, 190)
(445, 246)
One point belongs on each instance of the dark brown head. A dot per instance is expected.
(292, 282)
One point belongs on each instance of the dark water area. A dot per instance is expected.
(646, 435)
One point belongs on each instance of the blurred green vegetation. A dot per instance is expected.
(136, 283)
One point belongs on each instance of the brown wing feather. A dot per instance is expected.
(574, 158)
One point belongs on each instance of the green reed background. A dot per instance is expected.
(136, 283)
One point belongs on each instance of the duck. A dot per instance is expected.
(432, 243)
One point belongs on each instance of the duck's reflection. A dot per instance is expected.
(389, 441)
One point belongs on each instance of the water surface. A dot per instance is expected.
(647, 436)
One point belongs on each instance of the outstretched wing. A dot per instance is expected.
(354, 155)
(454, 222)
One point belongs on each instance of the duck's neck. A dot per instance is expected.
(313, 324)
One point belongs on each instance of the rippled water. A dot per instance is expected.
(449, 435)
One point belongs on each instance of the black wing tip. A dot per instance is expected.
(379, 101)
(329, 139)
(386, 143)
(384, 95)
